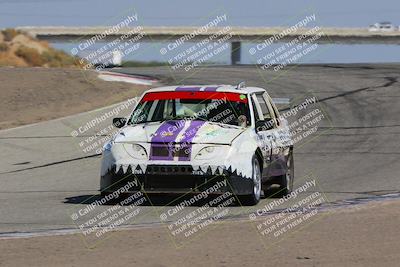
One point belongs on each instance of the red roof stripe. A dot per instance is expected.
(235, 97)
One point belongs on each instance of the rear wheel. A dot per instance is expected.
(254, 197)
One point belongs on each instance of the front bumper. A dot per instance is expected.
(175, 179)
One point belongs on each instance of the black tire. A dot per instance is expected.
(253, 198)
(286, 181)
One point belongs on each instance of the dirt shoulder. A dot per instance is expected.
(31, 95)
(366, 236)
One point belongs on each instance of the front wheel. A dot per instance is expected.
(254, 197)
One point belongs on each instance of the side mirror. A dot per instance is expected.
(119, 122)
(264, 125)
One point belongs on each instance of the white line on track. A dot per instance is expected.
(66, 117)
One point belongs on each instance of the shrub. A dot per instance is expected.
(56, 58)
(30, 55)
(3, 47)
(9, 34)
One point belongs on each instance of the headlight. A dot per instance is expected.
(208, 152)
(139, 152)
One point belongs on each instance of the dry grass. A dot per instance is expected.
(9, 34)
(4, 47)
(30, 55)
(56, 58)
(20, 50)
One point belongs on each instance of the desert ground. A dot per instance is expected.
(30, 95)
(359, 236)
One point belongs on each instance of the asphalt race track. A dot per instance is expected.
(44, 174)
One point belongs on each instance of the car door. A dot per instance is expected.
(281, 140)
(264, 135)
(274, 136)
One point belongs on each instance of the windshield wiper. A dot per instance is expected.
(224, 124)
(142, 122)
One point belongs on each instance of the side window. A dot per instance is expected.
(256, 108)
(276, 114)
(274, 110)
(264, 107)
(255, 111)
(141, 112)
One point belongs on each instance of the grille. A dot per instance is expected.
(169, 170)
(168, 152)
(166, 177)
(160, 151)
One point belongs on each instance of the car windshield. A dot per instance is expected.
(219, 107)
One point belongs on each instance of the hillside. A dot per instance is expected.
(21, 50)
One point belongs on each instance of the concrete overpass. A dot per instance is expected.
(238, 35)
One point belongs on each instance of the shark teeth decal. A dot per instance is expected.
(133, 168)
(143, 167)
(219, 170)
(212, 169)
(229, 168)
(125, 168)
(117, 168)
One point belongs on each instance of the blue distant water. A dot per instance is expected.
(325, 53)
(339, 13)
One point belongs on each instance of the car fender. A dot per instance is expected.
(242, 150)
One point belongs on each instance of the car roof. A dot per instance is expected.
(211, 87)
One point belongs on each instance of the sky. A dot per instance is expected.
(342, 13)
(337, 13)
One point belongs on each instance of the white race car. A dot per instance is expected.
(182, 139)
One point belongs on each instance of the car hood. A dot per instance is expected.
(179, 131)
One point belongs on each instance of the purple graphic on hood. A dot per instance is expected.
(185, 148)
(211, 88)
(163, 140)
(188, 88)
